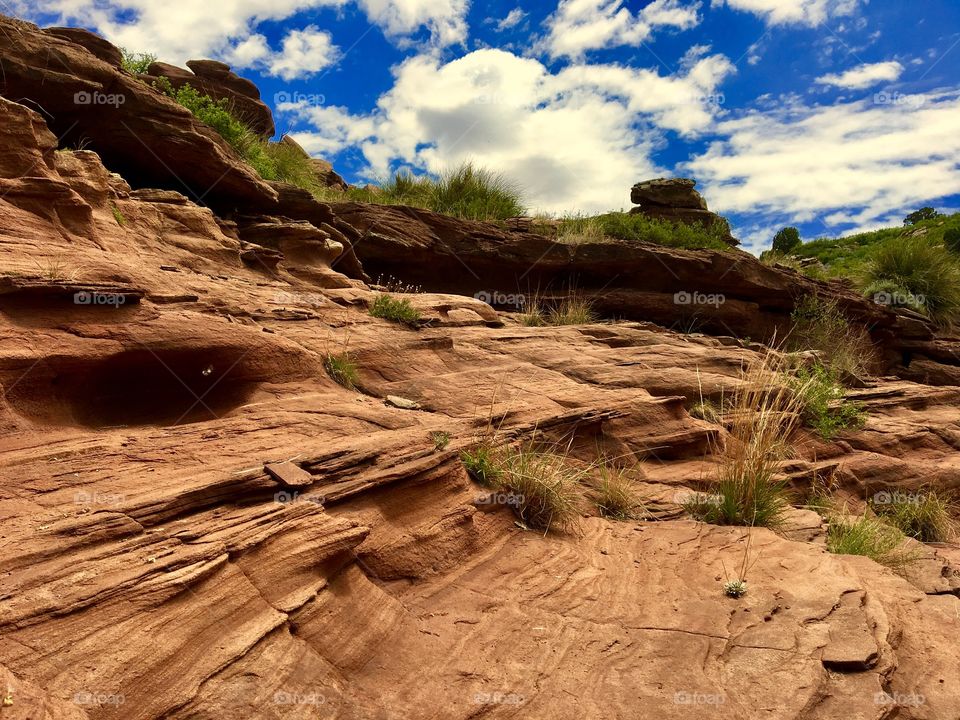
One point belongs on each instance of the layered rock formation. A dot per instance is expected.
(675, 199)
(219, 82)
(197, 522)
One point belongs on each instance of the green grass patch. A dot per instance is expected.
(481, 464)
(615, 493)
(871, 537)
(917, 273)
(639, 228)
(342, 370)
(118, 215)
(387, 307)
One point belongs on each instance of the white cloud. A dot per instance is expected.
(863, 76)
(849, 164)
(180, 30)
(784, 12)
(513, 18)
(578, 26)
(575, 140)
(303, 53)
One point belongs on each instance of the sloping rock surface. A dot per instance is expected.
(197, 522)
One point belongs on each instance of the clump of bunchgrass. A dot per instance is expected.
(614, 492)
(925, 515)
(916, 272)
(869, 536)
(481, 464)
(342, 369)
(843, 345)
(390, 308)
(748, 488)
(545, 486)
(708, 411)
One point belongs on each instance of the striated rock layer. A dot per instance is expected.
(197, 522)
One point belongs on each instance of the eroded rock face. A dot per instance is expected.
(675, 199)
(138, 131)
(196, 521)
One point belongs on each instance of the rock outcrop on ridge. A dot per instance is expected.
(675, 199)
(197, 522)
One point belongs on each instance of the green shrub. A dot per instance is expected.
(822, 403)
(929, 273)
(136, 63)
(118, 215)
(924, 213)
(441, 438)
(481, 464)
(786, 240)
(342, 370)
(390, 308)
(868, 536)
(925, 515)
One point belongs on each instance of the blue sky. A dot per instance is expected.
(832, 115)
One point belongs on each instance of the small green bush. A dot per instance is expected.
(822, 403)
(925, 515)
(136, 63)
(481, 464)
(786, 240)
(915, 267)
(441, 438)
(390, 308)
(118, 215)
(342, 370)
(924, 213)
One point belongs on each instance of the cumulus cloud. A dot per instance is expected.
(179, 30)
(576, 139)
(851, 164)
(784, 12)
(303, 53)
(864, 76)
(579, 26)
